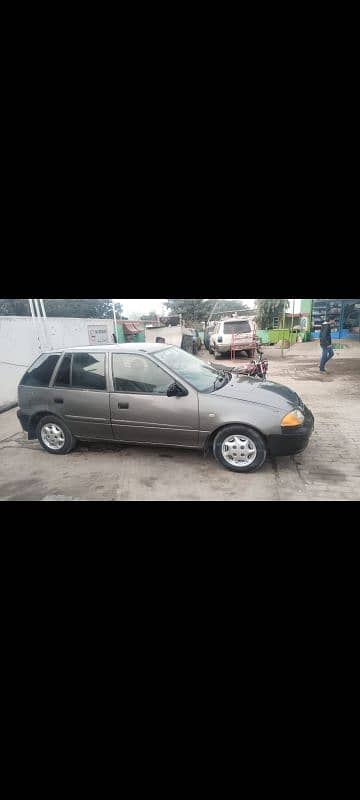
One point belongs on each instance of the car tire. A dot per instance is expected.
(57, 439)
(246, 443)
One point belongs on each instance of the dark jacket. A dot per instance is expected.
(325, 336)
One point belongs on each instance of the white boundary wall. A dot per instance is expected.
(20, 344)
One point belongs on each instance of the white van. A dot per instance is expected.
(241, 329)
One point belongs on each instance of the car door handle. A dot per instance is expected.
(123, 405)
(58, 400)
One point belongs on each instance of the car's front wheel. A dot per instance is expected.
(240, 449)
(54, 436)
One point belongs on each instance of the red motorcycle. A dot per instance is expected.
(258, 368)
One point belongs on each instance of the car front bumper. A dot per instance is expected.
(291, 441)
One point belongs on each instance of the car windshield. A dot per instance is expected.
(201, 376)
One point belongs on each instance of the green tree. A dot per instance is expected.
(190, 310)
(119, 309)
(65, 307)
(151, 315)
(228, 306)
(99, 308)
(267, 309)
(18, 308)
(199, 310)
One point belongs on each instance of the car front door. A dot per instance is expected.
(80, 394)
(141, 410)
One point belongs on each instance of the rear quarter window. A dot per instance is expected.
(40, 373)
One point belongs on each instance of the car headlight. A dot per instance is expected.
(293, 420)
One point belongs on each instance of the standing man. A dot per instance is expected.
(326, 345)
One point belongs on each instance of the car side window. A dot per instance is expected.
(64, 372)
(88, 371)
(135, 374)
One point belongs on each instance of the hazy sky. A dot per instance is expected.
(148, 305)
(143, 306)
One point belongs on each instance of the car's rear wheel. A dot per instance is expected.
(54, 436)
(240, 449)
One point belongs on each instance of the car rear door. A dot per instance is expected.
(140, 409)
(80, 394)
(240, 330)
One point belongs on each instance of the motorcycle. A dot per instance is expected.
(258, 368)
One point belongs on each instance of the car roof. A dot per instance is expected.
(132, 347)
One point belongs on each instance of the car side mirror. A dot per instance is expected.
(176, 391)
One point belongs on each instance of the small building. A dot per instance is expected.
(344, 312)
(130, 331)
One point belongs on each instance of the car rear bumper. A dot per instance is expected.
(225, 347)
(292, 441)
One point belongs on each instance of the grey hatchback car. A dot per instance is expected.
(155, 394)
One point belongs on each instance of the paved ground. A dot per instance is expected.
(328, 470)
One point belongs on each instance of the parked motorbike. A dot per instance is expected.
(258, 368)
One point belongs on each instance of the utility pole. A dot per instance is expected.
(213, 311)
(115, 322)
(341, 324)
(292, 321)
(282, 343)
(41, 327)
(36, 333)
(40, 333)
(47, 336)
